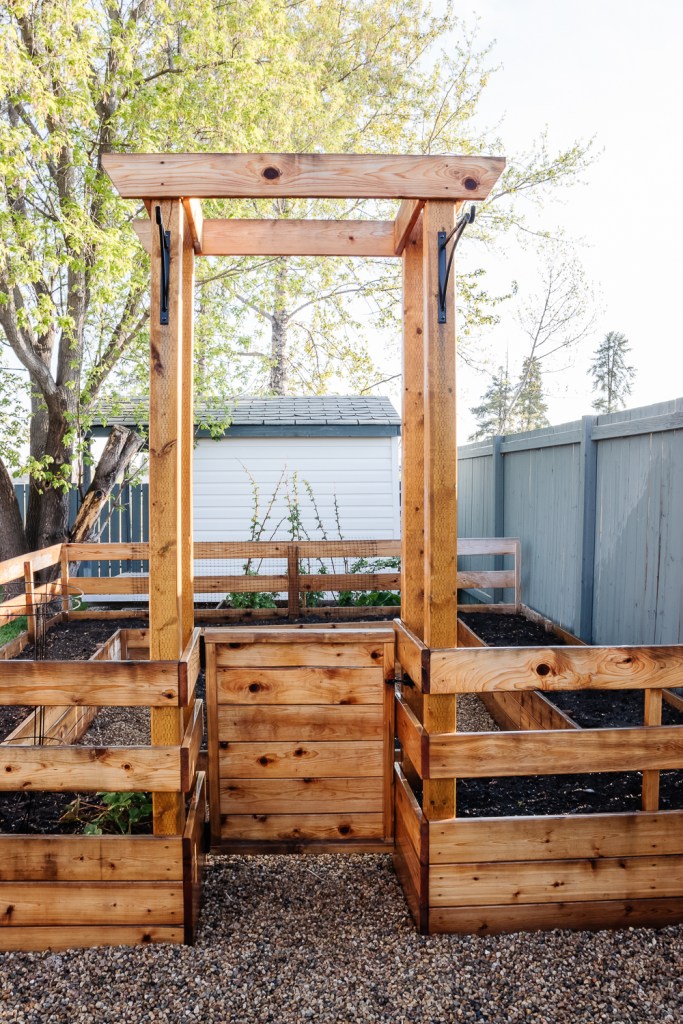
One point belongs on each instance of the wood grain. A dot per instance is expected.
(555, 668)
(301, 175)
(480, 755)
(563, 837)
(588, 916)
(289, 237)
(98, 903)
(624, 878)
(294, 721)
(326, 654)
(300, 686)
(334, 827)
(28, 858)
(56, 939)
(303, 759)
(165, 451)
(291, 796)
(115, 769)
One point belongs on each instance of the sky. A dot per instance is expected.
(611, 71)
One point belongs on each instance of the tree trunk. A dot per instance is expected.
(278, 336)
(122, 445)
(12, 537)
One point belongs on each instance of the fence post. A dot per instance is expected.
(498, 505)
(30, 602)
(292, 581)
(588, 474)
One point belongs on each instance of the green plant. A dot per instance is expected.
(12, 629)
(372, 598)
(117, 813)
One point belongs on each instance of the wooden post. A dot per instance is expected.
(440, 505)
(64, 580)
(187, 433)
(293, 581)
(653, 716)
(412, 440)
(412, 461)
(29, 602)
(165, 462)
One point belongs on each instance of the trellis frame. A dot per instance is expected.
(430, 187)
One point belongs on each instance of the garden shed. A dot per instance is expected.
(337, 455)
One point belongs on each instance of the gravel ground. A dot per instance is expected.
(329, 939)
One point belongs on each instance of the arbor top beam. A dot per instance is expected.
(301, 175)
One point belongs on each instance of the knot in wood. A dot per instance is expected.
(271, 173)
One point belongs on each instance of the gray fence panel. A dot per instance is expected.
(639, 557)
(598, 507)
(542, 509)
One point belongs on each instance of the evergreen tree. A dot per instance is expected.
(530, 410)
(492, 414)
(612, 377)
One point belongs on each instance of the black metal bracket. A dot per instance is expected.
(165, 243)
(446, 262)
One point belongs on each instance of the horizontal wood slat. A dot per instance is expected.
(287, 760)
(117, 684)
(291, 796)
(624, 878)
(554, 668)
(98, 903)
(592, 915)
(340, 633)
(480, 755)
(326, 654)
(301, 175)
(463, 840)
(13, 568)
(115, 769)
(288, 237)
(57, 938)
(303, 721)
(336, 827)
(300, 686)
(91, 858)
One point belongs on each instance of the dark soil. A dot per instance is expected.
(40, 812)
(565, 794)
(510, 630)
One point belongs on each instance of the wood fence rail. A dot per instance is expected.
(294, 583)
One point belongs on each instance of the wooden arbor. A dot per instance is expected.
(431, 188)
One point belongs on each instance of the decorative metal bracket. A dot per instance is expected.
(165, 244)
(445, 263)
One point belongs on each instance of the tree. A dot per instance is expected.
(492, 413)
(612, 377)
(506, 407)
(530, 411)
(81, 79)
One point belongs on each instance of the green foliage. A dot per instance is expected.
(612, 376)
(82, 79)
(372, 598)
(12, 629)
(531, 407)
(493, 411)
(118, 813)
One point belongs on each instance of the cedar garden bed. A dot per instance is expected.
(60, 890)
(509, 867)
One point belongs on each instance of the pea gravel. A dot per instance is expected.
(328, 939)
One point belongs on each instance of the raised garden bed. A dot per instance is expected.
(60, 890)
(516, 863)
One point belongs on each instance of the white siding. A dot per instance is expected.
(362, 473)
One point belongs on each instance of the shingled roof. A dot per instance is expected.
(316, 415)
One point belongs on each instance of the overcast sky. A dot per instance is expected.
(612, 70)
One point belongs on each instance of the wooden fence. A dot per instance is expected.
(294, 582)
